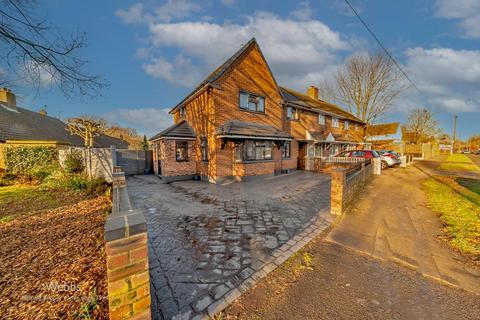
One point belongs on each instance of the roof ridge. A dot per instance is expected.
(320, 101)
(219, 71)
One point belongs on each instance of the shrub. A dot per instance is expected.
(73, 162)
(31, 163)
(6, 180)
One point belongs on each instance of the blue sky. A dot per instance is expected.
(154, 52)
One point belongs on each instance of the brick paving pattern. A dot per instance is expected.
(209, 243)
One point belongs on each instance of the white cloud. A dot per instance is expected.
(147, 121)
(134, 14)
(467, 12)
(180, 71)
(449, 78)
(294, 49)
(304, 12)
(170, 11)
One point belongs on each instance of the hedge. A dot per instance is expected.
(27, 160)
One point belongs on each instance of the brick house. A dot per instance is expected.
(238, 124)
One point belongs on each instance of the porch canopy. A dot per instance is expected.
(329, 137)
(179, 131)
(241, 130)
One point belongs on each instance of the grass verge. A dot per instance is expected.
(459, 209)
(458, 162)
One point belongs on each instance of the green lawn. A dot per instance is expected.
(18, 200)
(458, 162)
(471, 184)
(459, 209)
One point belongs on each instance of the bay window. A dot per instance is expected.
(251, 150)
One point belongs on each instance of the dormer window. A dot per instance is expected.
(321, 119)
(335, 122)
(347, 124)
(292, 113)
(252, 102)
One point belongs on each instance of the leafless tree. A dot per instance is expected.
(130, 135)
(422, 125)
(87, 127)
(368, 84)
(33, 52)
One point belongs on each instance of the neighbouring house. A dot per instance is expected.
(239, 124)
(19, 126)
(383, 135)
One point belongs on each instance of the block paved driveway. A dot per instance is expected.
(205, 240)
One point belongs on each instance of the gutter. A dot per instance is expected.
(253, 137)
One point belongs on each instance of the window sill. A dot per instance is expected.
(257, 112)
(182, 160)
(289, 158)
(254, 161)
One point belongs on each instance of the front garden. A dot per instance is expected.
(51, 220)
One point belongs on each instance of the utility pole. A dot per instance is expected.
(455, 117)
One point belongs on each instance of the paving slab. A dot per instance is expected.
(391, 221)
(209, 243)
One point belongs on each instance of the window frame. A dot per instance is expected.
(204, 149)
(182, 112)
(321, 116)
(295, 114)
(260, 98)
(335, 122)
(242, 154)
(346, 125)
(288, 154)
(181, 144)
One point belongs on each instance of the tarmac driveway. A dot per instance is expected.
(205, 240)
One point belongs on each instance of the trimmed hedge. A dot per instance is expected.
(32, 161)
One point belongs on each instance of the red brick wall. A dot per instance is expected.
(128, 278)
(170, 165)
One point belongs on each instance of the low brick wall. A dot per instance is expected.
(127, 257)
(347, 184)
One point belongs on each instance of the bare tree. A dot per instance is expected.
(368, 84)
(422, 125)
(36, 53)
(87, 127)
(130, 135)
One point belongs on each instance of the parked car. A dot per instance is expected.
(478, 151)
(466, 152)
(366, 154)
(390, 157)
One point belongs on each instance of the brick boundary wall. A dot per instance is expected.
(346, 186)
(127, 256)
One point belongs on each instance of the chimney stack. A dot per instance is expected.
(312, 92)
(8, 98)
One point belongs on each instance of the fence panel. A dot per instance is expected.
(134, 161)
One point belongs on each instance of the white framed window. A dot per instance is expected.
(292, 113)
(347, 124)
(321, 119)
(251, 102)
(335, 122)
